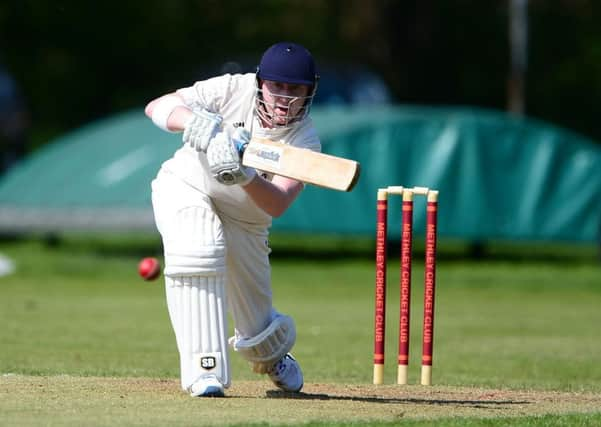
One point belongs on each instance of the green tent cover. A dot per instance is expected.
(499, 176)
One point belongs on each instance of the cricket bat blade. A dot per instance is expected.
(302, 164)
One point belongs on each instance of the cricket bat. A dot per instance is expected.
(302, 164)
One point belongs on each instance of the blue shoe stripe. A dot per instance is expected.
(212, 391)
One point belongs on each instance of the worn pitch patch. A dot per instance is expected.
(156, 401)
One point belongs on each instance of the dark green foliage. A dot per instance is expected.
(78, 61)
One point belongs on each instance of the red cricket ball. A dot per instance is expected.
(149, 268)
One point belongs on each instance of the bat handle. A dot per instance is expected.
(240, 146)
(241, 138)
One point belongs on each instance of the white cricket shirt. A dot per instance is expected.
(233, 97)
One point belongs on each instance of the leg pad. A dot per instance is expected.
(269, 346)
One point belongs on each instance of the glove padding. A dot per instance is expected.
(224, 158)
(199, 130)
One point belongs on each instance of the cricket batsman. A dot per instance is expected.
(214, 216)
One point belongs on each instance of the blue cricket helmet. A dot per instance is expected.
(288, 62)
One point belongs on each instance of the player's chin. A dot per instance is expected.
(281, 121)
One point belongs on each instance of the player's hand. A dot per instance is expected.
(224, 158)
(201, 128)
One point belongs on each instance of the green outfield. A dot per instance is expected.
(84, 341)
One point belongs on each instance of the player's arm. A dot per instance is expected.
(170, 113)
(274, 196)
(223, 156)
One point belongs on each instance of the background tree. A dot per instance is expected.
(79, 61)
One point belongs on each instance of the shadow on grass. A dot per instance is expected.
(277, 394)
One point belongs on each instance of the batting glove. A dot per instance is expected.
(224, 158)
(201, 128)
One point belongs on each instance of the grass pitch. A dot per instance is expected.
(86, 342)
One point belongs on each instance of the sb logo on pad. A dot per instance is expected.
(208, 362)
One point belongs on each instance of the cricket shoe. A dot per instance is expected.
(287, 374)
(208, 386)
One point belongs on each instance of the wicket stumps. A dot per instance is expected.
(405, 281)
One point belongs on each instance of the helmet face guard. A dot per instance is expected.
(297, 107)
(290, 63)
